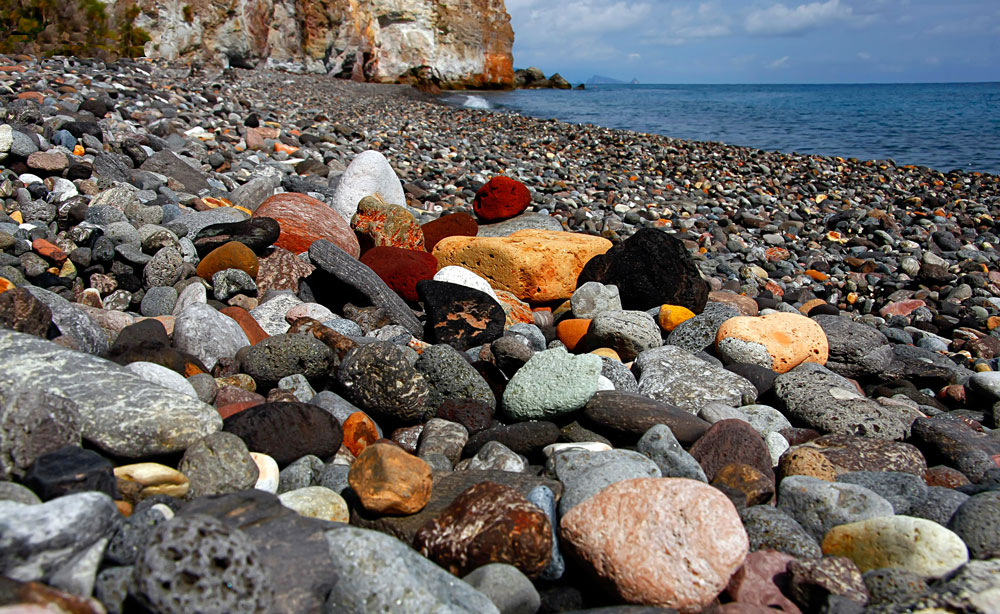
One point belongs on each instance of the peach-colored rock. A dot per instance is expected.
(669, 542)
(901, 308)
(232, 255)
(389, 480)
(304, 219)
(746, 305)
(535, 265)
(779, 341)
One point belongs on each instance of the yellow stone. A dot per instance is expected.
(900, 542)
(17, 217)
(535, 265)
(672, 315)
(607, 353)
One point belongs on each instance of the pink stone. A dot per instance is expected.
(668, 542)
(758, 581)
(901, 308)
(304, 219)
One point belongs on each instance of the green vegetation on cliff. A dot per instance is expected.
(71, 27)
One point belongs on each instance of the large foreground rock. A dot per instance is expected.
(119, 412)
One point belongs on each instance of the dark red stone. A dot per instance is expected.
(501, 198)
(287, 431)
(459, 224)
(761, 579)
(22, 312)
(459, 316)
(400, 268)
(650, 268)
(488, 523)
(732, 441)
(474, 415)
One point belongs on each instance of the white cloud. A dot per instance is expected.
(864, 55)
(632, 57)
(779, 63)
(781, 20)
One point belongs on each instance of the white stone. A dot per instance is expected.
(591, 446)
(194, 293)
(6, 138)
(369, 173)
(464, 277)
(271, 313)
(267, 478)
(208, 334)
(604, 383)
(162, 376)
(776, 446)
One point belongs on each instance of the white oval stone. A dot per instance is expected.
(901, 542)
(162, 376)
(369, 173)
(462, 276)
(592, 446)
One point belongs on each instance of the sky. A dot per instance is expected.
(760, 41)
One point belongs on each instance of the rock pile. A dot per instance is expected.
(276, 344)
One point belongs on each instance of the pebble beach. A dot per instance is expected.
(286, 343)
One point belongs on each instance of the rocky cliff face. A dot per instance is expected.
(457, 43)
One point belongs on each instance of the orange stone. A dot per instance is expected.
(389, 480)
(518, 312)
(359, 432)
(572, 330)
(5, 284)
(806, 461)
(607, 353)
(672, 315)
(537, 266)
(810, 305)
(304, 219)
(817, 275)
(232, 255)
(779, 341)
(49, 250)
(250, 326)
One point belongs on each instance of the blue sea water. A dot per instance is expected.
(941, 125)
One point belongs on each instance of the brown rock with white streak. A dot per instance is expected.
(669, 542)
(459, 43)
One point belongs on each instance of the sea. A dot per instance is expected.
(945, 126)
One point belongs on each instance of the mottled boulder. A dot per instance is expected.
(378, 378)
(378, 223)
(460, 316)
(677, 377)
(22, 312)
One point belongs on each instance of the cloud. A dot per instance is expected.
(781, 20)
(582, 17)
(779, 63)
(864, 56)
(632, 57)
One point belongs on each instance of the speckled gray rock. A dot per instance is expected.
(339, 407)
(112, 587)
(378, 378)
(353, 273)
(497, 457)
(626, 332)
(271, 313)
(382, 574)
(545, 499)
(208, 334)
(939, 504)
(677, 377)
(164, 268)
(902, 490)
(300, 474)
(889, 585)
(510, 590)
(823, 400)
(584, 473)
(218, 464)
(32, 423)
(334, 477)
(977, 522)
(716, 412)
(279, 356)
(442, 437)
(697, 333)
(59, 542)
(196, 563)
(819, 505)
(660, 446)
(194, 292)
(530, 332)
(450, 376)
(593, 298)
(158, 301)
(16, 493)
(770, 528)
(133, 532)
(204, 386)
(856, 349)
(553, 382)
(619, 375)
(765, 419)
(230, 282)
(119, 412)
(161, 376)
(909, 361)
(525, 221)
(195, 221)
(73, 322)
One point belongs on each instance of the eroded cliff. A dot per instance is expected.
(457, 43)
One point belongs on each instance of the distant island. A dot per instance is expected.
(602, 80)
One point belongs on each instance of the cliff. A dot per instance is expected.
(453, 43)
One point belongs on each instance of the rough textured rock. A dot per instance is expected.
(378, 223)
(760, 580)
(819, 505)
(208, 334)
(389, 480)
(287, 431)
(856, 350)
(552, 382)
(501, 198)
(378, 378)
(677, 377)
(770, 528)
(451, 377)
(488, 523)
(584, 473)
(684, 536)
(119, 412)
(459, 45)
(33, 422)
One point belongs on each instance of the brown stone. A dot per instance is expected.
(849, 453)
(813, 580)
(360, 432)
(281, 270)
(732, 441)
(756, 488)
(232, 255)
(746, 305)
(488, 523)
(534, 265)
(339, 343)
(22, 312)
(806, 461)
(942, 475)
(250, 326)
(668, 542)
(389, 480)
(761, 580)
(304, 220)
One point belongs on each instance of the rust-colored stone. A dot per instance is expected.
(459, 224)
(232, 255)
(401, 268)
(756, 487)
(761, 579)
(359, 432)
(570, 331)
(945, 476)
(806, 461)
(488, 523)
(340, 344)
(49, 251)
(789, 339)
(250, 326)
(746, 305)
(22, 312)
(385, 224)
(304, 220)
(389, 480)
(516, 310)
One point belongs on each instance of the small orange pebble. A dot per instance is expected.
(817, 275)
(607, 353)
(215, 202)
(232, 409)
(5, 284)
(124, 507)
(991, 322)
(359, 432)
(852, 297)
(49, 250)
(672, 315)
(285, 148)
(572, 330)
(79, 150)
(17, 217)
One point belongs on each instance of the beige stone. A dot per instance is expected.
(535, 265)
(668, 542)
(901, 542)
(148, 479)
(779, 341)
(317, 502)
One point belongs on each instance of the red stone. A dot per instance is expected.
(231, 409)
(501, 198)
(459, 224)
(401, 269)
(49, 250)
(760, 580)
(732, 441)
(250, 326)
(942, 475)
(304, 219)
(901, 308)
